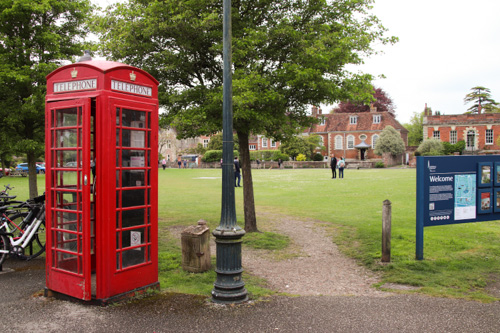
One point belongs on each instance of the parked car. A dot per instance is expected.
(5, 172)
(24, 167)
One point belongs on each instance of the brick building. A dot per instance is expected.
(260, 142)
(479, 131)
(353, 135)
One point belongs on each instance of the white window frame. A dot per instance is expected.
(374, 140)
(273, 143)
(377, 118)
(350, 142)
(264, 142)
(323, 121)
(205, 143)
(436, 135)
(338, 142)
(353, 120)
(453, 137)
(252, 147)
(169, 144)
(488, 137)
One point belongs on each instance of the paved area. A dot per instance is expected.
(24, 309)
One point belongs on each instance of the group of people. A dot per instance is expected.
(337, 164)
(180, 163)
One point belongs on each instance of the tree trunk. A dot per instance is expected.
(32, 175)
(248, 200)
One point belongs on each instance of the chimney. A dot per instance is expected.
(479, 108)
(427, 111)
(373, 108)
(314, 110)
(320, 112)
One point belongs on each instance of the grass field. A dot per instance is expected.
(459, 262)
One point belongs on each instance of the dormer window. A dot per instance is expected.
(377, 118)
(353, 120)
(322, 121)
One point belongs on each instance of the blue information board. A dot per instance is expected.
(456, 189)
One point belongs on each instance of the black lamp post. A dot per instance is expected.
(229, 286)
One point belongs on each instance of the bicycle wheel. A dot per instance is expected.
(37, 244)
(4, 248)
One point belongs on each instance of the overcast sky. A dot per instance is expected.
(445, 48)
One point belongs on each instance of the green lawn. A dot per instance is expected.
(459, 259)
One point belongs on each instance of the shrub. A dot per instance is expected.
(214, 156)
(449, 149)
(268, 155)
(390, 141)
(379, 165)
(318, 157)
(301, 157)
(431, 147)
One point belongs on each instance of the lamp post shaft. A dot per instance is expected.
(229, 286)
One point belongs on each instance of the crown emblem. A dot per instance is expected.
(132, 76)
(74, 73)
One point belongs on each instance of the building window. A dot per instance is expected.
(353, 120)
(338, 142)
(205, 143)
(168, 157)
(350, 142)
(489, 136)
(362, 137)
(169, 144)
(471, 140)
(251, 147)
(377, 118)
(322, 121)
(273, 143)
(374, 140)
(436, 135)
(264, 142)
(453, 137)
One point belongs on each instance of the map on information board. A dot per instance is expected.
(465, 197)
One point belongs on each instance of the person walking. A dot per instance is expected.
(333, 166)
(179, 162)
(164, 163)
(341, 166)
(280, 162)
(237, 174)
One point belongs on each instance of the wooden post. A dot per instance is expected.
(386, 231)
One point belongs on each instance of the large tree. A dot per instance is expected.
(481, 99)
(287, 55)
(380, 100)
(35, 35)
(297, 144)
(415, 129)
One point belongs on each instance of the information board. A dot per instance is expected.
(456, 189)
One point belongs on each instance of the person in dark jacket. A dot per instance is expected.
(333, 166)
(237, 174)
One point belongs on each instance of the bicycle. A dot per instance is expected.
(6, 198)
(21, 231)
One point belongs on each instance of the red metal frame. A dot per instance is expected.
(104, 225)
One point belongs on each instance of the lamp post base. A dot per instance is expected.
(229, 286)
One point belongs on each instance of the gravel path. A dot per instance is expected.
(318, 267)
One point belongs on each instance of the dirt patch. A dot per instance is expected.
(493, 287)
(318, 268)
(312, 265)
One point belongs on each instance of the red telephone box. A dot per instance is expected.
(101, 161)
